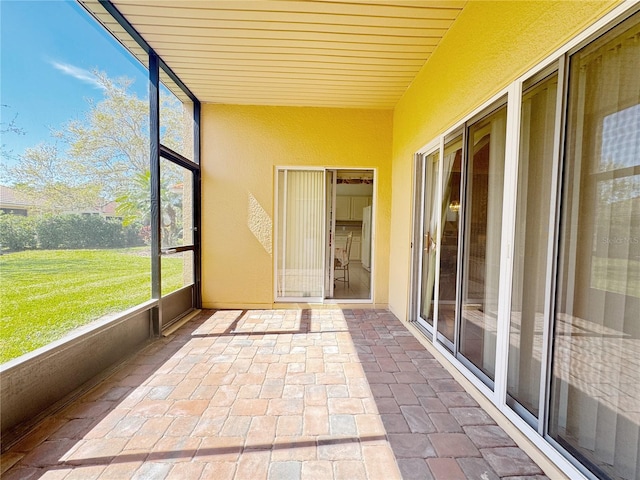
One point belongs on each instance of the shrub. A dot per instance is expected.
(17, 232)
(80, 231)
(133, 235)
(68, 231)
(50, 230)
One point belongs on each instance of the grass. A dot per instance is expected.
(46, 294)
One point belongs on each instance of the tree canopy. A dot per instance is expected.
(103, 156)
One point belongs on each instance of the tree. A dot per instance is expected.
(12, 126)
(110, 144)
(53, 181)
(7, 128)
(138, 200)
(104, 156)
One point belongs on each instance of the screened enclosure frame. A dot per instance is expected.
(156, 68)
(54, 374)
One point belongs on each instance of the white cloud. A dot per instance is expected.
(78, 73)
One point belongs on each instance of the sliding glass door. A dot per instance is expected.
(530, 294)
(595, 387)
(482, 231)
(324, 235)
(469, 212)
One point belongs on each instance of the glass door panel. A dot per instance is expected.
(176, 226)
(595, 385)
(301, 222)
(533, 209)
(450, 212)
(483, 228)
(353, 234)
(176, 205)
(429, 237)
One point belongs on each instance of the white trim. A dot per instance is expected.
(412, 293)
(276, 237)
(541, 443)
(306, 168)
(552, 246)
(340, 301)
(418, 258)
(331, 246)
(439, 199)
(466, 372)
(479, 111)
(420, 203)
(324, 234)
(514, 107)
(430, 147)
(374, 208)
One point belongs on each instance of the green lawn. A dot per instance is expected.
(45, 294)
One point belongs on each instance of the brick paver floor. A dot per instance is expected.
(275, 394)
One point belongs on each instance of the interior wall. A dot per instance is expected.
(489, 46)
(241, 146)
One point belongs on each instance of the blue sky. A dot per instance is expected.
(47, 52)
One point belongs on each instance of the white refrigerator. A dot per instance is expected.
(366, 238)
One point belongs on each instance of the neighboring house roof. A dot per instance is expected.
(109, 209)
(11, 198)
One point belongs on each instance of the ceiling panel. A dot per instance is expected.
(282, 52)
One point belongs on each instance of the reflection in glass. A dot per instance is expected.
(483, 227)
(176, 118)
(595, 398)
(176, 205)
(532, 233)
(429, 236)
(176, 225)
(177, 271)
(450, 211)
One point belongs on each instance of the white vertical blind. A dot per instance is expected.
(301, 227)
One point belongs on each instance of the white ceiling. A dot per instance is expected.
(328, 53)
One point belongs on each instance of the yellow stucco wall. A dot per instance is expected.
(490, 45)
(241, 146)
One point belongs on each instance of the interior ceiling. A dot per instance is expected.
(330, 53)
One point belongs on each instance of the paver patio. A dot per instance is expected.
(275, 394)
